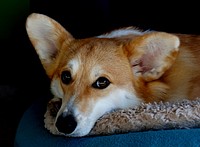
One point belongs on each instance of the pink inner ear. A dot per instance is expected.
(148, 61)
(144, 64)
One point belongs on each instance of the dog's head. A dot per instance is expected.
(96, 75)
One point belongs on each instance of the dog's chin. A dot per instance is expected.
(79, 132)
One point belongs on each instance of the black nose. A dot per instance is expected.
(66, 124)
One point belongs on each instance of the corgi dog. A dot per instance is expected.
(116, 70)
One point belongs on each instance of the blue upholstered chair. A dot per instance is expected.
(31, 133)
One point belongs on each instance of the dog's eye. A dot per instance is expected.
(66, 77)
(101, 83)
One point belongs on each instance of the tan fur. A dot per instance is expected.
(91, 56)
(183, 77)
(152, 65)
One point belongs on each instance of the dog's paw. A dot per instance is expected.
(49, 118)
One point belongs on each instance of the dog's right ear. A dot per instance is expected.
(47, 37)
(152, 54)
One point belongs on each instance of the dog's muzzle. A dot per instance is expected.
(66, 123)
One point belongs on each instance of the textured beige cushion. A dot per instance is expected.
(155, 116)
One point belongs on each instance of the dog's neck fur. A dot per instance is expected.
(122, 32)
(184, 69)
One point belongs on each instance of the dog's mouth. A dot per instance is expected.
(66, 123)
(75, 123)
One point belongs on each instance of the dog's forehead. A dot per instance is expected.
(94, 57)
(77, 65)
(89, 46)
(91, 51)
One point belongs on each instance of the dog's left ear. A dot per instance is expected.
(47, 37)
(152, 54)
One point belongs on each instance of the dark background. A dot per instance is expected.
(22, 78)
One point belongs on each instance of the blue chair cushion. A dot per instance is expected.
(31, 133)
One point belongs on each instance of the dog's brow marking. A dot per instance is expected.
(96, 71)
(74, 65)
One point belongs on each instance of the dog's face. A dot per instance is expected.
(96, 75)
(87, 82)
